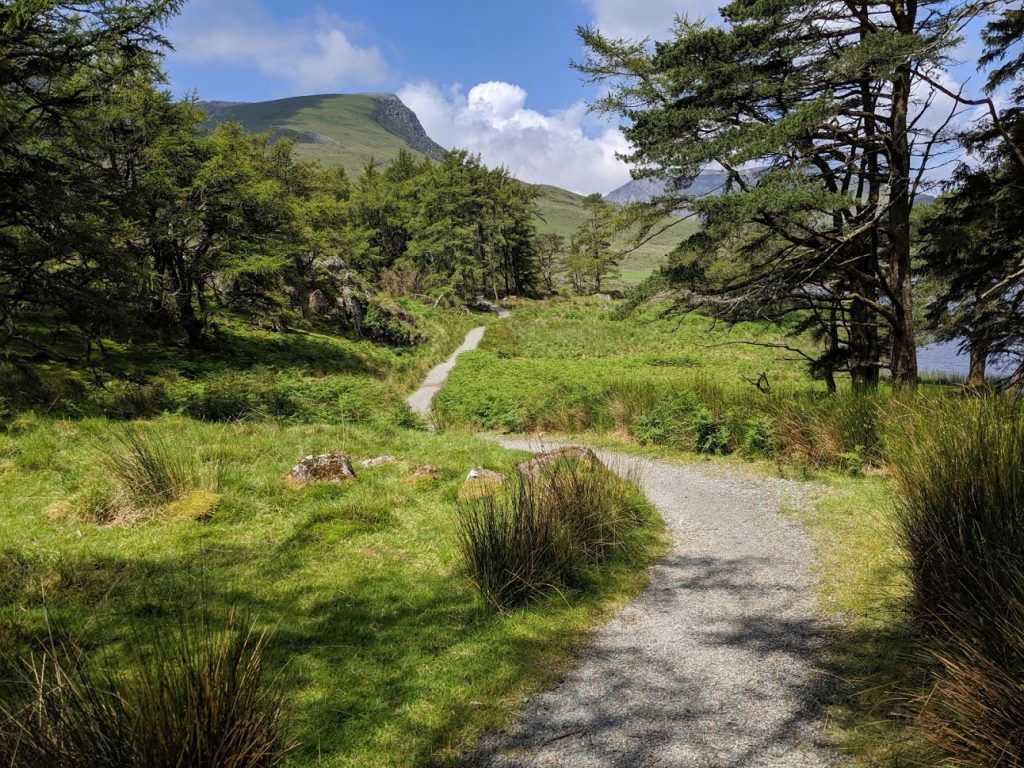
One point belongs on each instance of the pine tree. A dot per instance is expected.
(806, 104)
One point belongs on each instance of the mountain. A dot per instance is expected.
(350, 129)
(642, 190)
(707, 183)
(337, 129)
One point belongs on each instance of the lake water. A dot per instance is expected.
(943, 357)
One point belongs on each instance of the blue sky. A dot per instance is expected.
(490, 76)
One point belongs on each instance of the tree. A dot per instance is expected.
(67, 72)
(974, 239)
(550, 248)
(817, 95)
(590, 259)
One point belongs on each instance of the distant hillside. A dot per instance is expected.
(642, 190)
(337, 129)
(349, 129)
(708, 183)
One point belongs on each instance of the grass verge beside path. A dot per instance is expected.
(387, 655)
(870, 652)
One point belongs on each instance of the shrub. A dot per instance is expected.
(543, 534)
(199, 697)
(709, 434)
(758, 438)
(664, 424)
(959, 469)
(145, 468)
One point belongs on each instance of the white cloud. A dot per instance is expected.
(637, 19)
(312, 54)
(564, 147)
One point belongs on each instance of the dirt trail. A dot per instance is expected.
(420, 400)
(714, 665)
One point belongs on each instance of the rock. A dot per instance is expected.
(319, 304)
(377, 461)
(480, 482)
(426, 471)
(325, 468)
(534, 468)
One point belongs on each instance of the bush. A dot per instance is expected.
(758, 438)
(959, 468)
(198, 698)
(709, 434)
(543, 534)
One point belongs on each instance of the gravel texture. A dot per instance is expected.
(714, 664)
(420, 400)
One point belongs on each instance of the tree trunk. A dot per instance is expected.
(979, 359)
(864, 346)
(904, 344)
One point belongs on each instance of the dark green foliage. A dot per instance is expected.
(710, 435)
(758, 438)
(543, 534)
(819, 228)
(198, 696)
(959, 468)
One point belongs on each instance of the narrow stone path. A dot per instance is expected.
(420, 400)
(714, 665)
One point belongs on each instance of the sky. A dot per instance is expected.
(492, 77)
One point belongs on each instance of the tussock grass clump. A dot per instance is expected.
(959, 468)
(145, 467)
(542, 534)
(199, 698)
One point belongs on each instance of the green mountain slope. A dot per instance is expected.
(350, 129)
(341, 129)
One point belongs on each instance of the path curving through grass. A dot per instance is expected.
(716, 663)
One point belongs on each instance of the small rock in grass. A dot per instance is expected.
(427, 471)
(480, 482)
(377, 461)
(325, 468)
(532, 469)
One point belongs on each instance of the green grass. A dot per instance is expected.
(388, 656)
(300, 376)
(870, 650)
(567, 365)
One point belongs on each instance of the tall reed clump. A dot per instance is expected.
(959, 469)
(199, 698)
(145, 467)
(543, 533)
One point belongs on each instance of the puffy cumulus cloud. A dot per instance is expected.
(565, 148)
(315, 53)
(648, 18)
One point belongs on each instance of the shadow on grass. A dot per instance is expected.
(365, 662)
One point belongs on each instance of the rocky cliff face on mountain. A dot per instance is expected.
(396, 118)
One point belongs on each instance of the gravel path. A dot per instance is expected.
(420, 400)
(714, 664)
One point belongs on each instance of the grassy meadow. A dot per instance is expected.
(684, 390)
(384, 652)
